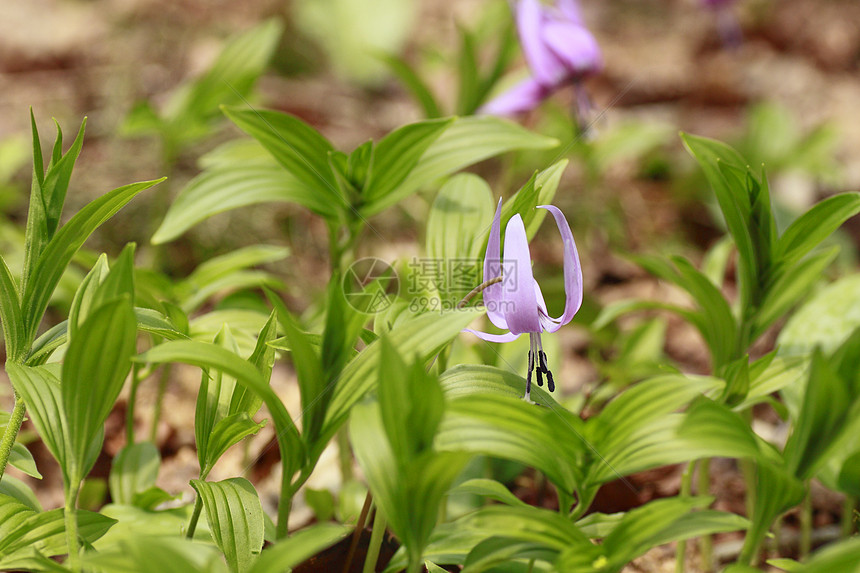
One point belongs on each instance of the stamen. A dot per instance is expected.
(550, 383)
(529, 374)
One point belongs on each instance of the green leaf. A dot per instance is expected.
(546, 528)
(96, 364)
(642, 528)
(205, 355)
(59, 251)
(231, 77)
(396, 155)
(840, 556)
(468, 140)
(488, 488)
(11, 315)
(154, 552)
(23, 531)
(458, 219)
(826, 320)
(510, 428)
(235, 518)
(300, 546)
(83, 300)
(40, 388)
(21, 458)
(232, 186)
(469, 379)
(133, 470)
(824, 415)
(410, 402)
(726, 171)
(420, 336)
(808, 230)
(228, 432)
(493, 552)
(789, 286)
(716, 431)
(295, 145)
(849, 475)
(47, 197)
(416, 86)
(408, 494)
(776, 491)
(699, 523)
(20, 491)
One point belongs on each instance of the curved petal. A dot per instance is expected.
(545, 66)
(575, 47)
(521, 310)
(572, 268)
(505, 337)
(525, 96)
(546, 321)
(493, 294)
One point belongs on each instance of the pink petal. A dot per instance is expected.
(575, 47)
(545, 66)
(493, 294)
(505, 337)
(572, 269)
(521, 310)
(525, 96)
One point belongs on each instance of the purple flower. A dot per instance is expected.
(516, 303)
(558, 48)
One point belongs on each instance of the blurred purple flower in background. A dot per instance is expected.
(516, 304)
(559, 51)
(727, 22)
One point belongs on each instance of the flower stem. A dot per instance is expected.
(132, 400)
(344, 455)
(686, 489)
(11, 433)
(376, 536)
(471, 294)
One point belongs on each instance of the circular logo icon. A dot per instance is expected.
(370, 285)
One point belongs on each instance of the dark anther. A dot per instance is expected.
(539, 375)
(544, 369)
(529, 374)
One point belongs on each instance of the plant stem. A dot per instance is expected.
(195, 517)
(132, 399)
(848, 516)
(71, 520)
(159, 400)
(376, 536)
(805, 526)
(11, 433)
(344, 454)
(686, 489)
(703, 487)
(356, 534)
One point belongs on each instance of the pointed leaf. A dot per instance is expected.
(418, 337)
(96, 364)
(232, 186)
(301, 149)
(468, 140)
(228, 432)
(133, 470)
(10, 314)
(59, 252)
(808, 230)
(235, 518)
(396, 155)
(300, 546)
